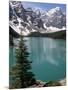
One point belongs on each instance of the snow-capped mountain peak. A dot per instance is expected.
(56, 11)
(30, 20)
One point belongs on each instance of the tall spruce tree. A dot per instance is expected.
(22, 77)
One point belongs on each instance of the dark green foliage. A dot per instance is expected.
(22, 76)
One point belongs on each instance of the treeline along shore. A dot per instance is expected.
(55, 35)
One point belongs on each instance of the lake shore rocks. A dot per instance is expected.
(40, 83)
(63, 82)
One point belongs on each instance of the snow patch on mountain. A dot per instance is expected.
(53, 11)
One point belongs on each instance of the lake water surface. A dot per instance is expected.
(48, 57)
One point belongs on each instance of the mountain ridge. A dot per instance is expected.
(29, 20)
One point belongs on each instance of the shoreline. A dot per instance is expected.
(40, 83)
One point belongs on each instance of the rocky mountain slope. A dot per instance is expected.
(29, 20)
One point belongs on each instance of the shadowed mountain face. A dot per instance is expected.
(12, 34)
(31, 20)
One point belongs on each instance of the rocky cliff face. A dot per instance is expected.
(30, 20)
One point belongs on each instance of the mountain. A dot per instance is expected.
(56, 18)
(37, 20)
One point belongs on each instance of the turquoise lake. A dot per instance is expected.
(48, 57)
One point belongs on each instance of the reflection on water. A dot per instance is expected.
(48, 56)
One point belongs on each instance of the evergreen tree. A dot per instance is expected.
(22, 76)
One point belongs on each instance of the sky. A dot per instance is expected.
(44, 6)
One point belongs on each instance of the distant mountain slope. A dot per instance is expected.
(56, 35)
